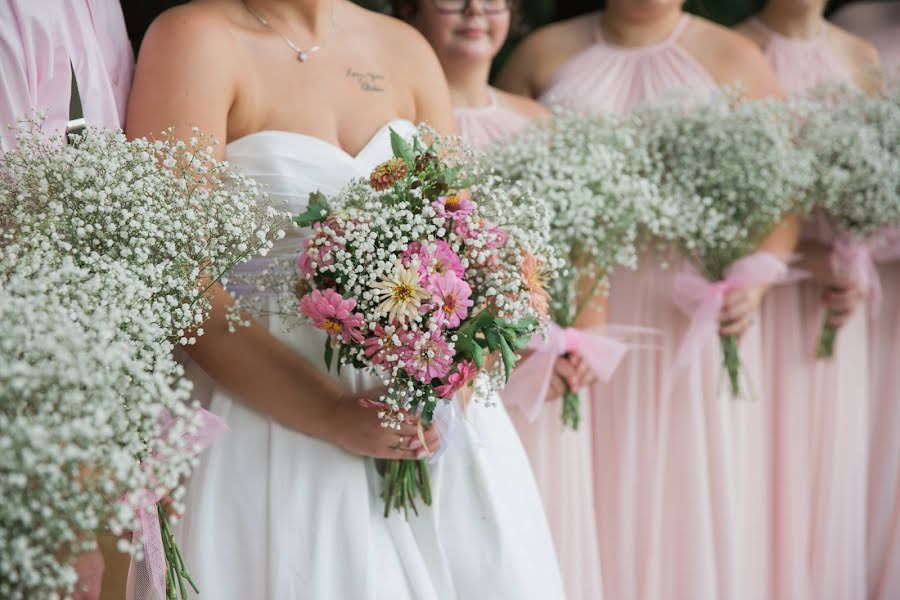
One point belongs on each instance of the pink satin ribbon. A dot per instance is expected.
(855, 262)
(147, 578)
(527, 388)
(702, 300)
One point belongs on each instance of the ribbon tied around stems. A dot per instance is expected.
(702, 299)
(528, 385)
(147, 578)
(855, 262)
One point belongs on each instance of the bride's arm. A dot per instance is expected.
(188, 75)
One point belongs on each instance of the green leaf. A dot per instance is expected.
(402, 150)
(509, 357)
(477, 355)
(492, 337)
(316, 210)
(329, 353)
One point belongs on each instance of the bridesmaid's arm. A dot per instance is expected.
(187, 75)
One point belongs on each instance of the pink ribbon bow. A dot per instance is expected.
(529, 383)
(855, 262)
(702, 300)
(147, 578)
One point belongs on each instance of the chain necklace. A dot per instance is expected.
(302, 55)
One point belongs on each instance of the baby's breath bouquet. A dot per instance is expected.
(588, 170)
(108, 248)
(425, 274)
(856, 141)
(729, 171)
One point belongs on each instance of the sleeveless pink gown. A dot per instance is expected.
(818, 413)
(676, 476)
(560, 457)
(884, 446)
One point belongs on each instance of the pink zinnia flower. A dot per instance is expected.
(426, 356)
(465, 372)
(441, 259)
(450, 298)
(454, 205)
(333, 314)
(381, 346)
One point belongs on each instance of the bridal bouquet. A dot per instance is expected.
(107, 250)
(588, 170)
(856, 141)
(729, 171)
(430, 274)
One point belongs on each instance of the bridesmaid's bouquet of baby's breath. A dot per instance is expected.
(588, 170)
(107, 250)
(729, 170)
(856, 141)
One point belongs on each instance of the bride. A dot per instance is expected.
(303, 93)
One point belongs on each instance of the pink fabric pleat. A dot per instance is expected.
(818, 453)
(678, 465)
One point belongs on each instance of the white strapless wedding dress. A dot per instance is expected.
(273, 514)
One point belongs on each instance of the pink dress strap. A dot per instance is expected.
(480, 126)
(609, 78)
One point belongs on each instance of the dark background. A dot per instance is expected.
(534, 13)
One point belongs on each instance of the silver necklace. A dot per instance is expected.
(302, 55)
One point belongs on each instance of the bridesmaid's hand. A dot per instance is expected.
(355, 427)
(841, 299)
(572, 371)
(739, 310)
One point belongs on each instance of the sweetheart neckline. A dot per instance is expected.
(320, 141)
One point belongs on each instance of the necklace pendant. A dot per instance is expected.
(302, 56)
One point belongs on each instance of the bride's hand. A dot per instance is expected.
(355, 427)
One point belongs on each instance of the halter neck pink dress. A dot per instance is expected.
(818, 413)
(884, 447)
(675, 474)
(560, 458)
(481, 126)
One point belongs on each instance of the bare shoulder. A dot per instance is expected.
(534, 61)
(526, 107)
(731, 58)
(860, 52)
(196, 27)
(746, 29)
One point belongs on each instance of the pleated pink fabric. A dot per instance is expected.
(560, 457)
(817, 409)
(481, 126)
(884, 446)
(678, 465)
(884, 459)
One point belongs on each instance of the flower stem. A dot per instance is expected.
(731, 362)
(404, 482)
(571, 413)
(827, 338)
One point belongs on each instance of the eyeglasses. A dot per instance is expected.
(490, 7)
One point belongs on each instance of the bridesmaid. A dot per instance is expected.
(466, 36)
(677, 477)
(819, 426)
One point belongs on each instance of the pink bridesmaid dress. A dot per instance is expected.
(677, 470)
(560, 457)
(817, 408)
(884, 447)
(37, 44)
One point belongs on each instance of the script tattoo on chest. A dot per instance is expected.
(366, 80)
